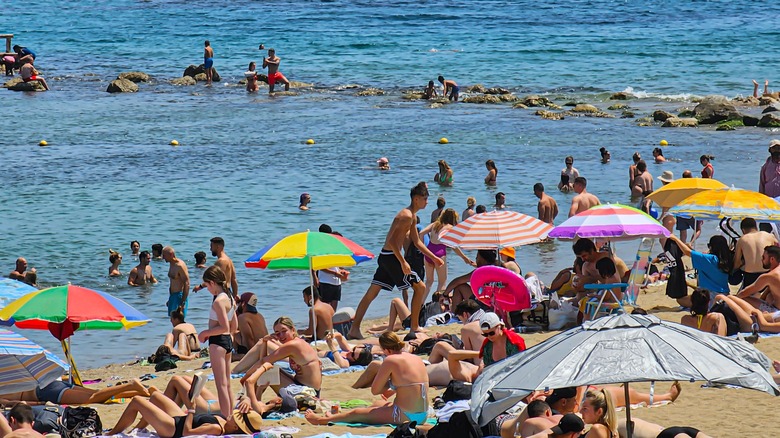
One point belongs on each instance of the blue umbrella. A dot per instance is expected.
(10, 290)
(25, 365)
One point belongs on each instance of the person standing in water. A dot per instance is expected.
(393, 270)
(568, 174)
(208, 61)
(179, 290)
(708, 171)
(450, 87)
(274, 75)
(492, 175)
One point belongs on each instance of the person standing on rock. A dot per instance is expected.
(208, 61)
(450, 87)
(274, 75)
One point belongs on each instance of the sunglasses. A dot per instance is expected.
(488, 334)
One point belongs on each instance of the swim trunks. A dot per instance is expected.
(455, 92)
(684, 223)
(208, 62)
(273, 77)
(389, 273)
(671, 432)
(52, 392)
(438, 249)
(31, 78)
(329, 292)
(174, 301)
(224, 341)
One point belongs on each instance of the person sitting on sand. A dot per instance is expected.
(183, 339)
(30, 74)
(304, 201)
(400, 312)
(701, 318)
(64, 393)
(459, 288)
(116, 259)
(430, 91)
(283, 343)
(775, 95)
(586, 250)
(598, 410)
(345, 355)
(169, 420)
(251, 325)
(19, 423)
(608, 275)
(319, 310)
(401, 374)
(565, 282)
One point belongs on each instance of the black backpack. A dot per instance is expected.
(80, 422)
(406, 430)
(457, 390)
(461, 425)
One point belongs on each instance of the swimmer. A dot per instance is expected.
(708, 171)
(444, 175)
(492, 175)
(116, 259)
(547, 207)
(451, 87)
(568, 175)
(583, 200)
(142, 274)
(135, 248)
(383, 163)
(272, 62)
(200, 260)
(605, 155)
(251, 78)
(304, 201)
(430, 91)
(658, 155)
(208, 61)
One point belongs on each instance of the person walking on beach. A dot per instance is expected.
(272, 63)
(224, 263)
(179, 290)
(583, 200)
(769, 181)
(547, 207)
(208, 61)
(450, 87)
(142, 274)
(393, 270)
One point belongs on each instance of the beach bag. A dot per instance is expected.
(461, 425)
(406, 430)
(80, 422)
(732, 323)
(165, 364)
(457, 390)
(47, 419)
(564, 315)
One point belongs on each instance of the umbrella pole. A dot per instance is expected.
(73, 374)
(629, 423)
(313, 313)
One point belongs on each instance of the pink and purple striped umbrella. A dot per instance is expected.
(610, 221)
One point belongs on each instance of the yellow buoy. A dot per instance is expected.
(310, 141)
(174, 143)
(664, 143)
(43, 143)
(443, 140)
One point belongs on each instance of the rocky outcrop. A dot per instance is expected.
(725, 128)
(617, 106)
(482, 98)
(135, 76)
(17, 84)
(122, 86)
(621, 95)
(496, 90)
(370, 92)
(195, 72)
(766, 100)
(750, 120)
(413, 95)
(676, 122)
(770, 120)
(478, 88)
(661, 115)
(771, 108)
(714, 109)
(685, 113)
(627, 115)
(534, 100)
(184, 80)
(585, 108)
(549, 115)
(746, 101)
(520, 105)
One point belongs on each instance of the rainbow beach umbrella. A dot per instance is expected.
(610, 221)
(309, 250)
(729, 203)
(63, 310)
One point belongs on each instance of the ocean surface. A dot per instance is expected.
(109, 175)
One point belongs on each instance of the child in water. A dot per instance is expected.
(430, 91)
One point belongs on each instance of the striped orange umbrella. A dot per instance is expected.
(496, 230)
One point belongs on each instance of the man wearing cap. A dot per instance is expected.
(570, 426)
(769, 181)
(251, 324)
(547, 207)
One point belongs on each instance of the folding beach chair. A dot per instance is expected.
(638, 276)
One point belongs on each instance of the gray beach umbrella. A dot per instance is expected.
(620, 349)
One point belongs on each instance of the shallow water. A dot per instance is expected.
(109, 175)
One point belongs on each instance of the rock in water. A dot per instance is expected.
(714, 109)
(482, 98)
(766, 100)
(749, 120)
(549, 115)
(771, 108)
(745, 101)
(122, 86)
(770, 120)
(195, 72)
(676, 122)
(184, 80)
(621, 95)
(496, 90)
(661, 115)
(478, 88)
(585, 108)
(135, 76)
(519, 105)
(617, 106)
(534, 100)
(370, 92)
(725, 128)
(17, 84)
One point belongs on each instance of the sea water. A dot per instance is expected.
(109, 175)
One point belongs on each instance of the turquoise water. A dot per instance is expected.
(109, 175)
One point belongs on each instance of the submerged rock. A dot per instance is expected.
(413, 95)
(135, 76)
(685, 113)
(477, 88)
(508, 98)
(676, 122)
(617, 106)
(770, 120)
(585, 108)
(122, 86)
(520, 105)
(627, 115)
(496, 90)
(714, 109)
(725, 128)
(370, 92)
(482, 98)
(535, 100)
(549, 115)
(184, 80)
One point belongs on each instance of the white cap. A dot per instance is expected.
(489, 320)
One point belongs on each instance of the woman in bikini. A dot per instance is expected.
(444, 175)
(701, 318)
(283, 343)
(222, 323)
(492, 175)
(707, 171)
(344, 354)
(115, 259)
(632, 172)
(445, 222)
(598, 410)
(402, 374)
(169, 420)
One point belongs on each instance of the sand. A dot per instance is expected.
(717, 412)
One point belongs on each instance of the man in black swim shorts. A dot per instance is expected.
(393, 270)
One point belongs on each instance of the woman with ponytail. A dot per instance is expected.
(598, 410)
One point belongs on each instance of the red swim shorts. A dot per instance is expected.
(31, 78)
(272, 78)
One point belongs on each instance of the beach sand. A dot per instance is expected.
(717, 412)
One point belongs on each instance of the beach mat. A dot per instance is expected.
(431, 421)
(347, 435)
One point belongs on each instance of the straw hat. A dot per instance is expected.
(667, 176)
(249, 423)
(774, 144)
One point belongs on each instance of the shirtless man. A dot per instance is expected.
(583, 200)
(224, 263)
(251, 324)
(500, 201)
(183, 339)
(586, 250)
(19, 271)
(469, 312)
(208, 61)
(272, 62)
(19, 423)
(323, 312)
(450, 87)
(768, 284)
(547, 207)
(179, 289)
(30, 74)
(643, 185)
(142, 274)
(393, 270)
(748, 255)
